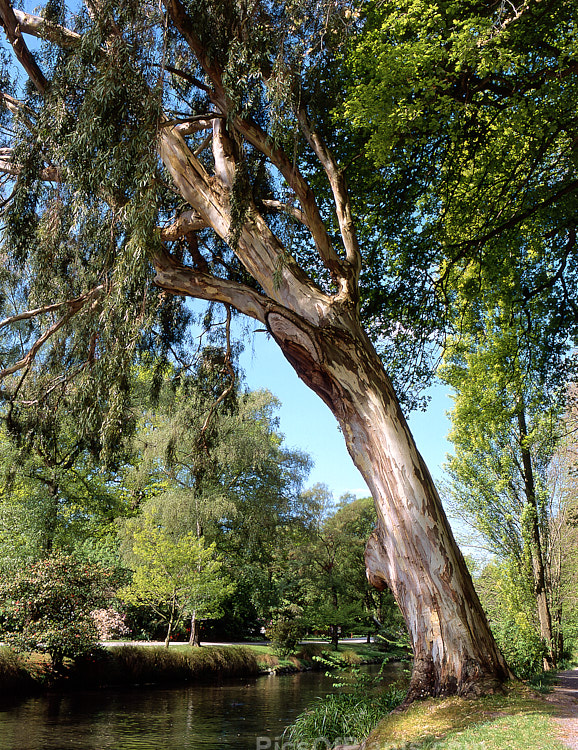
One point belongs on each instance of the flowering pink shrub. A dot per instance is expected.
(109, 623)
(47, 606)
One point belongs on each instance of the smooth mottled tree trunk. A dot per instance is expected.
(412, 549)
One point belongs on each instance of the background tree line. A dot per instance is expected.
(202, 529)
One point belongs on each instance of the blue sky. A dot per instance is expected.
(308, 424)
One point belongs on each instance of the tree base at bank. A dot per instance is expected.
(473, 681)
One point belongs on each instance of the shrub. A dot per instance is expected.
(15, 674)
(109, 623)
(287, 629)
(521, 645)
(46, 608)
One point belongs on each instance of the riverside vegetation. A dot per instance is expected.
(131, 664)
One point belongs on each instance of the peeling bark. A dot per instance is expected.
(412, 550)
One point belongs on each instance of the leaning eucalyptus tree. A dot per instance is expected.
(189, 140)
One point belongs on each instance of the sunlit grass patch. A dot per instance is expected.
(520, 732)
(516, 720)
(18, 673)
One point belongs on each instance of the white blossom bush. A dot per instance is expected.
(109, 623)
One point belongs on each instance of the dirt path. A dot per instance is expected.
(565, 698)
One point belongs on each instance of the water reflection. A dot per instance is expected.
(220, 716)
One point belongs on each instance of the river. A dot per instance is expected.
(248, 714)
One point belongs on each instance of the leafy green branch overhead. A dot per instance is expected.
(468, 112)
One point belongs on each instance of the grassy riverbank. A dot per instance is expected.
(128, 665)
(518, 720)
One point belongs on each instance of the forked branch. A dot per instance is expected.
(14, 35)
(176, 278)
(74, 306)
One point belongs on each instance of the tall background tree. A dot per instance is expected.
(210, 460)
(327, 560)
(506, 428)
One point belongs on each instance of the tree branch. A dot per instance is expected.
(50, 32)
(33, 313)
(338, 185)
(176, 278)
(184, 24)
(188, 77)
(258, 248)
(187, 222)
(7, 166)
(286, 208)
(74, 306)
(17, 108)
(14, 35)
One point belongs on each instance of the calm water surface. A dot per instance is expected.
(219, 716)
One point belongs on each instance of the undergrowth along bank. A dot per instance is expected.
(131, 664)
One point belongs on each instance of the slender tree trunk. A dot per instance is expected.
(195, 638)
(535, 545)
(334, 631)
(170, 626)
(412, 549)
(169, 632)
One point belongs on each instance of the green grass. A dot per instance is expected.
(342, 718)
(508, 732)
(20, 673)
(130, 665)
(127, 665)
(517, 720)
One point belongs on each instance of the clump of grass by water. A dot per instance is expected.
(343, 718)
(16, 674)
(347, 716)
(307, 651)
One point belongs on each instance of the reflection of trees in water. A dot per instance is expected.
(198, 717)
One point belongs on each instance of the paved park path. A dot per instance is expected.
(565, 698)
